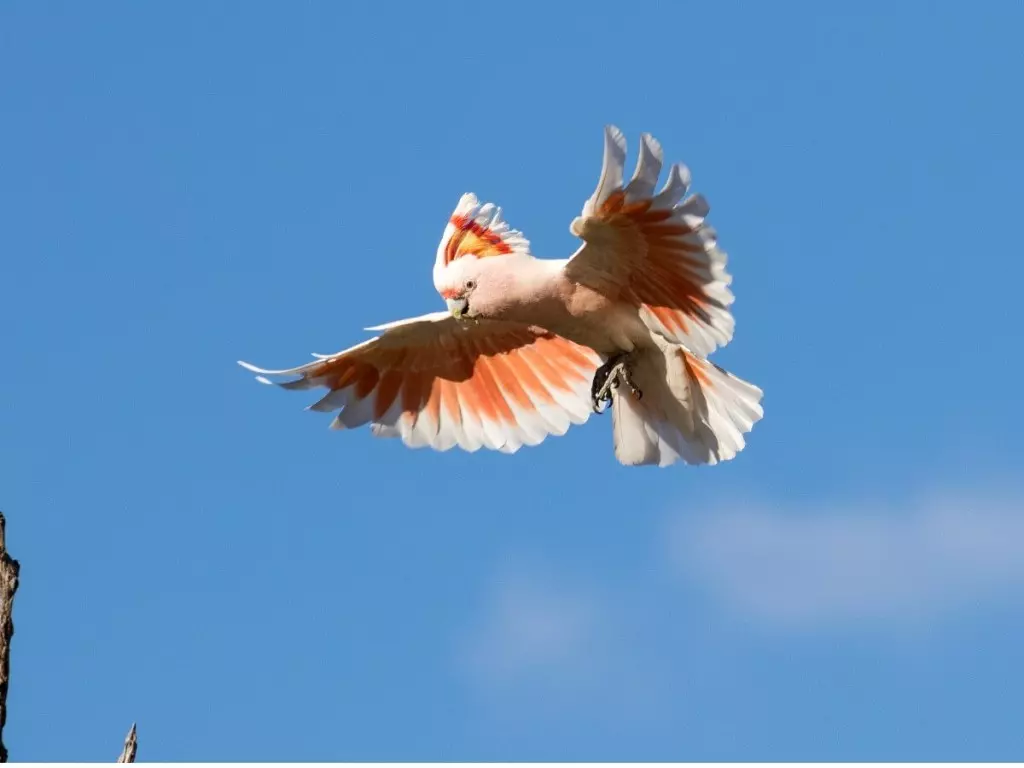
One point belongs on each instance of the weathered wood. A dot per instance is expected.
(9, 570)
(131, 745)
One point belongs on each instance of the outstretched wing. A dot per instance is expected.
(654, 250)
(438, 382)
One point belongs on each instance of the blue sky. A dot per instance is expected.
(185, 184)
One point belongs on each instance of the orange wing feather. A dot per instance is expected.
(655, 251)
(439, 382)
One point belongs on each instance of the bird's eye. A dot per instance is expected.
(470, 284)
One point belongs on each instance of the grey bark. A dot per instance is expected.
(9, 570)
(131, 744)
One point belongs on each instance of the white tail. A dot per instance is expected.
(691, 410)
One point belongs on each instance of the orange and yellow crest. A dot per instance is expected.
(473, 239)
(478, 230)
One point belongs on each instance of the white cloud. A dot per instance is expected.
(544, 638)
(532, 625)
(808, 567)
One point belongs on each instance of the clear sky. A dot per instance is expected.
(186, 184)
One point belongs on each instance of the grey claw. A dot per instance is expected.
(609, 377)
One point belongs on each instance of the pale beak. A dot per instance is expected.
(458, 307)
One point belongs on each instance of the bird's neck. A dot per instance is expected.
(534, 285)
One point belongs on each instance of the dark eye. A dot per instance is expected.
(470, 284)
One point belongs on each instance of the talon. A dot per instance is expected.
(599, 393)
(627, 376)
(609, 377)
(602, 398)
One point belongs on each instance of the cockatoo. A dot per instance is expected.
(529, 347)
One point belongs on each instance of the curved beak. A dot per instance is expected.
(458, 307)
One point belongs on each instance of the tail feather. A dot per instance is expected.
(691, 411)
(635, 442)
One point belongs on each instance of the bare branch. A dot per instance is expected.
(131, 744)
(9, 570)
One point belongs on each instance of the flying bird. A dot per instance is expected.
(529, 347)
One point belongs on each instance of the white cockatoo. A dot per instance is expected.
(531, 346)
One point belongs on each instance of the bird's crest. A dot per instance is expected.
(480, 231)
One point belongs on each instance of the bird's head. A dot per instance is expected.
(459, 294)
(480, 289)
(474, 268)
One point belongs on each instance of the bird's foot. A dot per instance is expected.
(600, 390)
(608, 377)
(626, 374)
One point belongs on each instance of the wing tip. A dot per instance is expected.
(260, 372)
(652, 145)
(615, 135)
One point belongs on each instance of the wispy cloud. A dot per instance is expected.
(800, 567)
(621, 644)
(532, 625)
(544, 637)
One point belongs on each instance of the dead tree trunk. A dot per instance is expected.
(9, 570)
